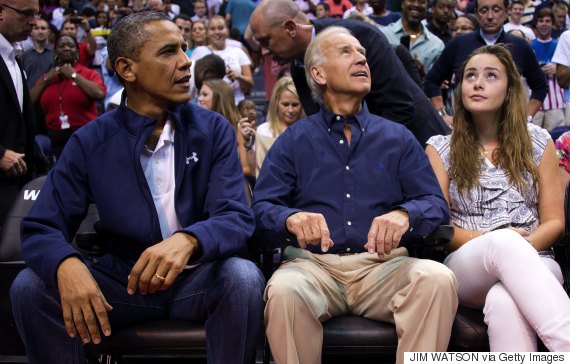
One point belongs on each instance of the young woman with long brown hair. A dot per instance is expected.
(496, 171)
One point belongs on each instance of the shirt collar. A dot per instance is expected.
(361, 118)
(490, 38)
(399, 27)
(7, 49)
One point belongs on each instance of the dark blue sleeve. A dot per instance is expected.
(535, 77)
(441, 70)
(273, 191)
(424, 201)
(230, 222)
(55, 216)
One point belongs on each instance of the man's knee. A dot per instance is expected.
(241, 274)
(27, 287)
(434, 276)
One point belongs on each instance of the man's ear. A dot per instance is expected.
(290, 27)
(318, 74)
(126, 68)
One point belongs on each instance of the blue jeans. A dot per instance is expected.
(225, 294)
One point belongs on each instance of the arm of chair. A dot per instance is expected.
(432, 246)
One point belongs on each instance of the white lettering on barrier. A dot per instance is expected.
(31, 194)
(481, 358)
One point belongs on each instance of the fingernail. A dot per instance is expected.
(371, 251)
(85, 340)
(130, 291)
(107, 332)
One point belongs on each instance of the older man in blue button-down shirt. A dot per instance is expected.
(343, 189)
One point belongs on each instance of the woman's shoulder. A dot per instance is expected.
(264, 130)
(538, 135)
(439, 142)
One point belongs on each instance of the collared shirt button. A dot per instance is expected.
(347, 168)
(341, 141)
(158, 181)
(338, 117)
(347, 249)
(349, 223)
(348, 195)
(411, 229)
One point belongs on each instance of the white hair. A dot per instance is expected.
(315, 56)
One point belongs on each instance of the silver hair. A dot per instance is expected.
(315, 56)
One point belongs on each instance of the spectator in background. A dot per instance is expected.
(562, 60)
(529, 10)
(465, 24)
(57, 17)
(238, 13)
(309, 7)
(516, 9)
(67, 93)
(284, 110)
(442, 12)
(360, 6)
(39, 59)
(200, 11)
(238, 72)
(199, 36)
(338, 7)
(381, 15)
(402, 52)
(286, 32)
(491, 15)
(88, 47)
(17, 126)
(100, 32)
(323, 11)
(184, 23)
(216, 95)
(560, 10)
(551, 113)
(424, 46)
(563, 153)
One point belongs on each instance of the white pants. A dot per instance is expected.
(520, 292)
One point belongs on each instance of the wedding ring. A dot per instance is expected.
(160, 277)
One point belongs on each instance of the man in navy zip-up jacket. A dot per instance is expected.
(168, 186)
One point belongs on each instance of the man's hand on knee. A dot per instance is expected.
(310, 228)
(386, 232)
(160, 264)
(84, 306)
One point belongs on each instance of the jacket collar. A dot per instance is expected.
(135, 123)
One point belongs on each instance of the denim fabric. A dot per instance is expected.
(225, 294)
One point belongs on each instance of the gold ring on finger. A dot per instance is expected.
(160, 277)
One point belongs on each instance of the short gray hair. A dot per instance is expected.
(128, 36)
(315, 56)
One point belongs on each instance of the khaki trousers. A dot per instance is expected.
(419, 296)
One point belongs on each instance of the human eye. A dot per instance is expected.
(492, 75)
(469, 76)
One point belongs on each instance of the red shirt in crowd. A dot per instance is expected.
(79, 108)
